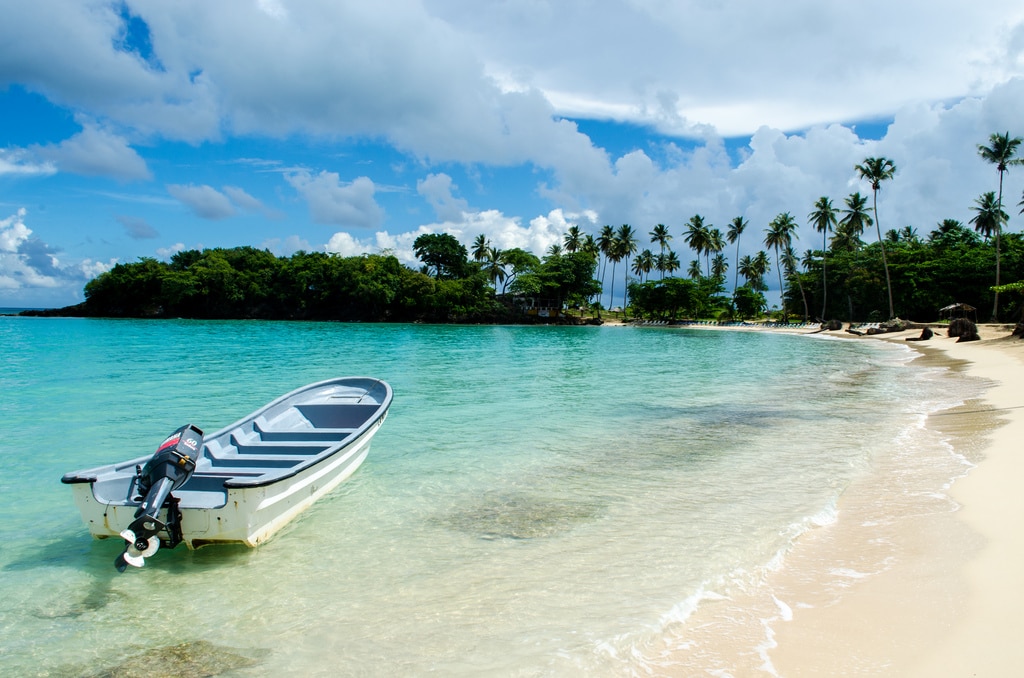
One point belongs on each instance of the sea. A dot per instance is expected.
(541, 501)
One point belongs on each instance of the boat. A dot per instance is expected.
(241, 484)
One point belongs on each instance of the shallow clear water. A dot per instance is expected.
(541, 500)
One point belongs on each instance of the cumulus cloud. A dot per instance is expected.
(96, 152)
(204, 201)
(332, 202)
(27, 264)
(437, 189)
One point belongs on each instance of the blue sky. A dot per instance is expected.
(140, 128)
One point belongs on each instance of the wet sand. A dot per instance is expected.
(949, 600)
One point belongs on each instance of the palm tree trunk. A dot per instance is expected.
(782, 292)
(885, 264)
(824, 275)
(999, 228)
(625, 288)
(736, 276)
(611, 295)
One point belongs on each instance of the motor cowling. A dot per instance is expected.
(167, 470)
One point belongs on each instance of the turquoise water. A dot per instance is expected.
(542, 501)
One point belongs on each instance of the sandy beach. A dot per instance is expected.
(950, 599)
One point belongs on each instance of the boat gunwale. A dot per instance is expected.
(91, 475)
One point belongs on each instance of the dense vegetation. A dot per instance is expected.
(899, 275)
(249, 283)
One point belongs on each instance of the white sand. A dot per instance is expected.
(952, 603)
(950, 600)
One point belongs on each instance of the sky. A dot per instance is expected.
(142, 128)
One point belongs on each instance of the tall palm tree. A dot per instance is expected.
(855, 219)
(762, 266)
(719, 267)
(606, 242)
(1000, 152)
(626, 239)
(779, 236)
(823, 218)
(990, 217)
(662, 237)
(573, 239)
(494, 266)
(790, 262)
(671, 262)
(480, 247)
(745, 267)
(715, 244)
(732, 234)
(696, 235)
(643, 264)
(877, 170)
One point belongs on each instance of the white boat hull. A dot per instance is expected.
(251, 515)
(248, 480)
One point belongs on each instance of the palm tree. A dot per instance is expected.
(851, 226)
(494, 266)
(555, 250)
(671, 262)
(694, 271)
(696, 235)
(714, 245)
(605, 243)
(877, 170)
(789, 261)
(626, 239)
(762, 266)
(480, 247)
(719, 267)
(1000, 153)
(643, 264)
(745, 267)
(823, 218)
(989, 218)
(661, 236)
(779, 236)
(735, 230)
(573, 239)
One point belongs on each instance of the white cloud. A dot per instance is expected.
(166, 253)
(27, 264)
(13, 231)
(331, 202)
(204, 201)
(96, 152)
(286, 247)
(18, 161)
(249, 203)
(437, 189)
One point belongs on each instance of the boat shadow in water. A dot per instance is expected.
(515, 515)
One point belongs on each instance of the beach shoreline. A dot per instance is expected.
(950, 599)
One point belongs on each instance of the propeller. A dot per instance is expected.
(138, 546)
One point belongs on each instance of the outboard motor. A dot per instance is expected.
(167, 470)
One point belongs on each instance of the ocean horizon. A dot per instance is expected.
(542, 501)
